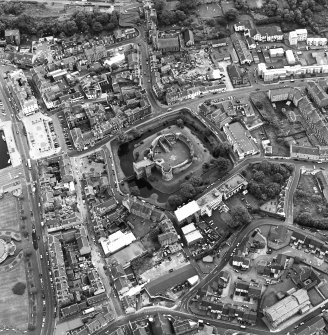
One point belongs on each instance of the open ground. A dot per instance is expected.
(13, 308)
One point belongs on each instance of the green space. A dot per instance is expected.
(43, 20)
(266, 179)
(310, 205)
(290, 14)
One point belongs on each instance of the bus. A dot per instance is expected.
(29, 164)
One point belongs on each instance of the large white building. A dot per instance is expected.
(192, 234)
(316, 41)
(187, 213)
(296, 36)
(288, 71)
(290, 57)
(116, 242)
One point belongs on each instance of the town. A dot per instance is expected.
(164, 168)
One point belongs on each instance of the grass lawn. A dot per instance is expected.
(9, 213)
(13, 308)
(209, 10)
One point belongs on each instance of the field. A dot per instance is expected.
(9, 214)
(207, 11)
(13, 308)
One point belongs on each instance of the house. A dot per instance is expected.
(240, 262)
(238, 75)
(83, 242)
(318, 92)
(168, 233)
(167, 42)
(313, 326)
(267, 34)
(12, 36)
(244, 55)
(188, 37)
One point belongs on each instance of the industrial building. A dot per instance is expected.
(284, 309)
(116, 242)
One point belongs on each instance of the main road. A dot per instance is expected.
(33, 199)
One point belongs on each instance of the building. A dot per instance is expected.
(188, 213)
(185, 327)
(83, 242)
(290, 57)
(232, 186)
(267, 34)
(240, 139)
(297, 70)
(142, 209)
(191, 234)
(316, 153)
(27, 102)
(167, 42)
(57, 262)
(244, 55)
(243, 26)
(276, 52)
(168, 233)
(316, 41)
(287, 307)
(318, 92)
(12, 36)
(238, 75)
(240, 262)
(116, 242)
(298, 35)
(188, 37)
(314, 326)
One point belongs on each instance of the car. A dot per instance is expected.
(171, 270)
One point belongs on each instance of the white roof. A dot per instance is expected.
(187, 210)
(188, 229)
(193, 280)
(116, 242)
(193, 236)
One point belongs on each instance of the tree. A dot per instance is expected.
(221, 149)
(195, 181)
(259, 176)
(278, 178)
(222, 164)
(97, 27)
(240, 214)
(134, 190)
(231, 14)
(174, 200)
(187, 190)
(19, 288)
(272, 190)
(166, 17)
(180, 123)
(159, 5)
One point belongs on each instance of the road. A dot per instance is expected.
(33, 200)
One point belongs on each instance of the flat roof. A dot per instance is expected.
(126, 255)
(163, 283)
(193, 236)
(188, 229)
(187, 210)
(116, 242)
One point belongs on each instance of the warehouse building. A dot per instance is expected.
(287, 307)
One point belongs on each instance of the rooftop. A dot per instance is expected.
(187, 210)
